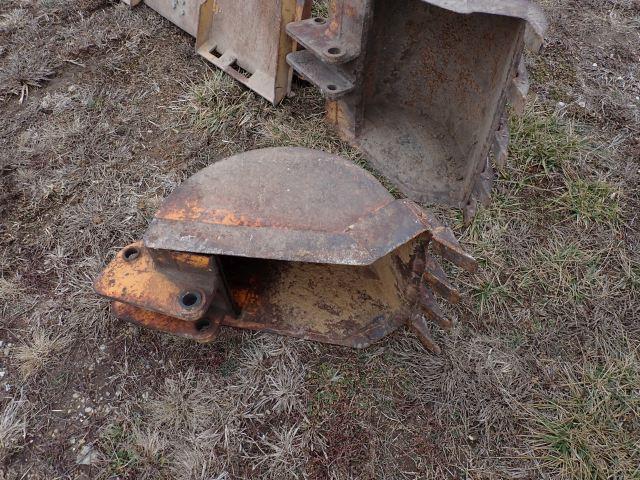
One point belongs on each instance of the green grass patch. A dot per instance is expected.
(590, 431)
(542, 143)
(491, 295)
(218, 105)
(565, 272)
(116, 444)
(590, 202)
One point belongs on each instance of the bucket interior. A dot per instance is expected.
(434, 88)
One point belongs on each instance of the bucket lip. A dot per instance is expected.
(527, 10)
(291, 204)
(358, 245)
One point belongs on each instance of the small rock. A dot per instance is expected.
(582, 104)
(88, 410)
(76, 395)
(87, 456)
(46, 103)
(103, 347)
(2, 373)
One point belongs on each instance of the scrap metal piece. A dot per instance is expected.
(430, 82)
(182, 13)
(246, 39)
(284, 240)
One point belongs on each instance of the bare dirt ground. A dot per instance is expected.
(103, 111)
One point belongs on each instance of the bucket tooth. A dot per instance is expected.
(259, 241)
(500, 146)
(445, 244)
(519, 88)
(436, 278)
(431, 308)
(419, 326)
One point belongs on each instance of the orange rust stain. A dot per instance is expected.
(200, 262)
(190, 210)
(196, 213)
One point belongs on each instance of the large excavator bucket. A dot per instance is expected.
(291, 241)
(245, 38)
(421, 85)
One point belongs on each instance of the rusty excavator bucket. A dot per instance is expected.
(420, 86)
(246, 39)
(291, 241)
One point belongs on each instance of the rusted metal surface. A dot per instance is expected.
(331, 81)
(135, 276)
(290, 204)
(246, 39)
(203, 330)
(183, 13)
(290, 241)
(430, 82)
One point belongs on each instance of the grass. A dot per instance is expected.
(588, 430)
(568, 270)
(35, 353)
(543, 143)
(12, 427)
(218, 104)
(590, 202)
(115, 441)
(537, 379)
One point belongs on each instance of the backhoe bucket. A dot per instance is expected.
(291, 241)
(245, 38)
(421, 85)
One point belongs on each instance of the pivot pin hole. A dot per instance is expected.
(190, 299)
(131, 253)
(202, 324)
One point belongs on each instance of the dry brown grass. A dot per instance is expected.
(589, 429)
(12, 427)
(538, 378)
(38, 351)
